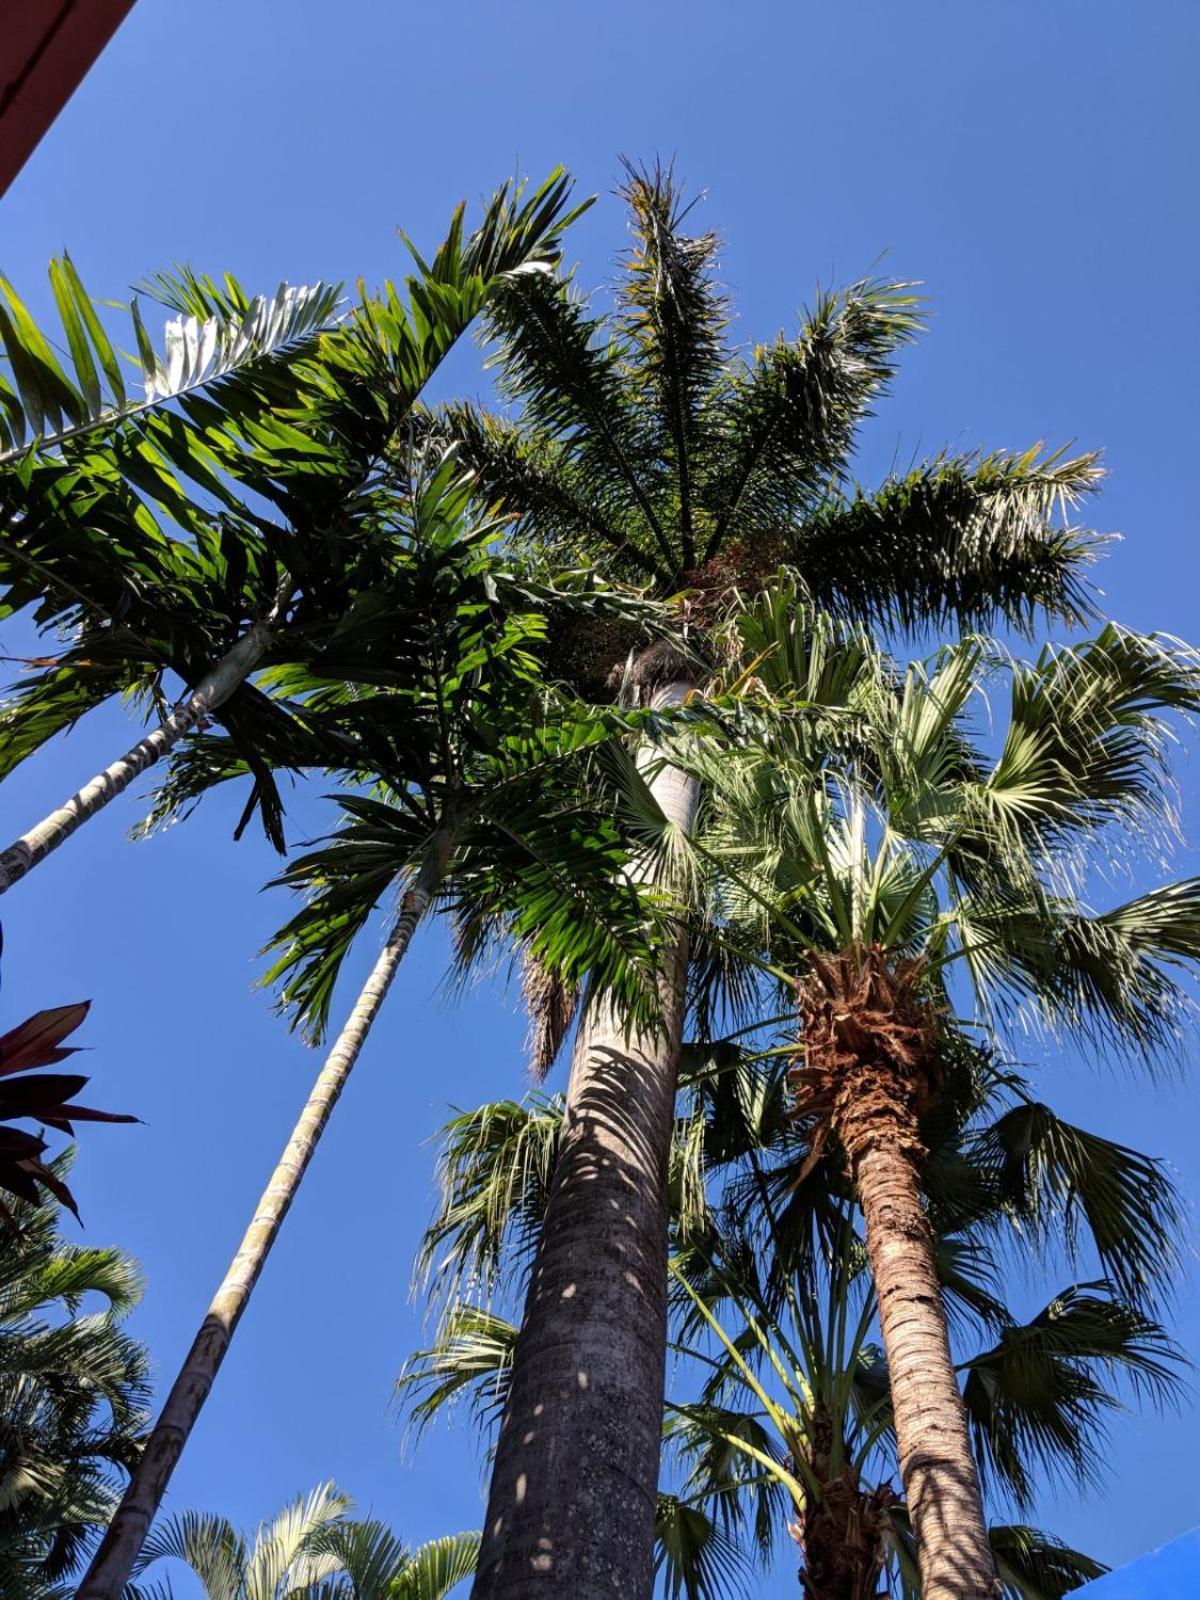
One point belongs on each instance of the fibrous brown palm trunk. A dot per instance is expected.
(841, 1530)
(114, 1559)
(868, 1074)
(573, 1492)
(212, 691)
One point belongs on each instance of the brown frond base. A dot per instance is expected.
(842, 1538)
(656, 667)
(745, 567)
(869, 1069)
(840, 1532)
(550, 1005)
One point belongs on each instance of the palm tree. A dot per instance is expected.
(866, 878)
(494, 822)
(311, 441)
(311, 1551)
(73, 1388)
(647, 445)
(793, 1416)
(780, 1404)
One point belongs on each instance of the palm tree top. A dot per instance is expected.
(646, 438)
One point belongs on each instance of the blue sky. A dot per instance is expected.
(1034, 165)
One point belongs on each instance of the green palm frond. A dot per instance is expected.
(968, 538)
(73, 1393)
(1033, 1565)
(494, 1168)
(1038, 1395)
(437, 1567)
(50, 397)
(697, 1558)
(1060, 1179)
(470, 1363)
(786, 422)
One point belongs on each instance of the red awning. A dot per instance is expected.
(46, 47)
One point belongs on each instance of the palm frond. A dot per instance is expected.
(971, 539)
(469, 1363)
(1037, 1395)
(50, 398)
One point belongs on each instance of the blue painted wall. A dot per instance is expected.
(1169, 1573)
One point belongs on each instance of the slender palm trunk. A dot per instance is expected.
(869, 1070)
(212, 691)
(114, 1560)
(572, 1501)
(937, 1466)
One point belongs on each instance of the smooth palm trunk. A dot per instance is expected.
(572, 1501)
(212, 691)
(114, 1560)
(937, 1466)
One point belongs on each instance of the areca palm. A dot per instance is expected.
(73, 1391)
(308, 435)
(649, 445)
(867, 878)
(477, 803)
(311, 1551)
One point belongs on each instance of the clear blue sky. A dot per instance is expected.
(1035, 165)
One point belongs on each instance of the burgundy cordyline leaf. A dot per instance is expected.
(37, 1042)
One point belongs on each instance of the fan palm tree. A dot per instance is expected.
(493, 821)
(244, 590)
(870, 878)
(311, 1551)
(73, 1391)
(649, 446)
(793, 1416)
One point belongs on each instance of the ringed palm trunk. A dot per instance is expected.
(212, 691)
(573, 1491)
(114, 1559)
(869, 1072)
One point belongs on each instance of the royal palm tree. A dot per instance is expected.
(311, 1551)
(73, 1391)
(307, 434)
(648, 445)
(908, 876)
(478, 802)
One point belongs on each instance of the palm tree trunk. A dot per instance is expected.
(114, 1560)
(213, 690)
(572, 1500)
(936, 1463)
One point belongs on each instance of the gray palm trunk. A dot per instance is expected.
(212, 691)
(572, 1500)
(114, 1559)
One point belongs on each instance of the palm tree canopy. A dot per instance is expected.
(277, 479)
(646, 439)
(908, 834)
(313, 1550)
(444, 725)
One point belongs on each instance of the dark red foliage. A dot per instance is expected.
(37, 1042)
